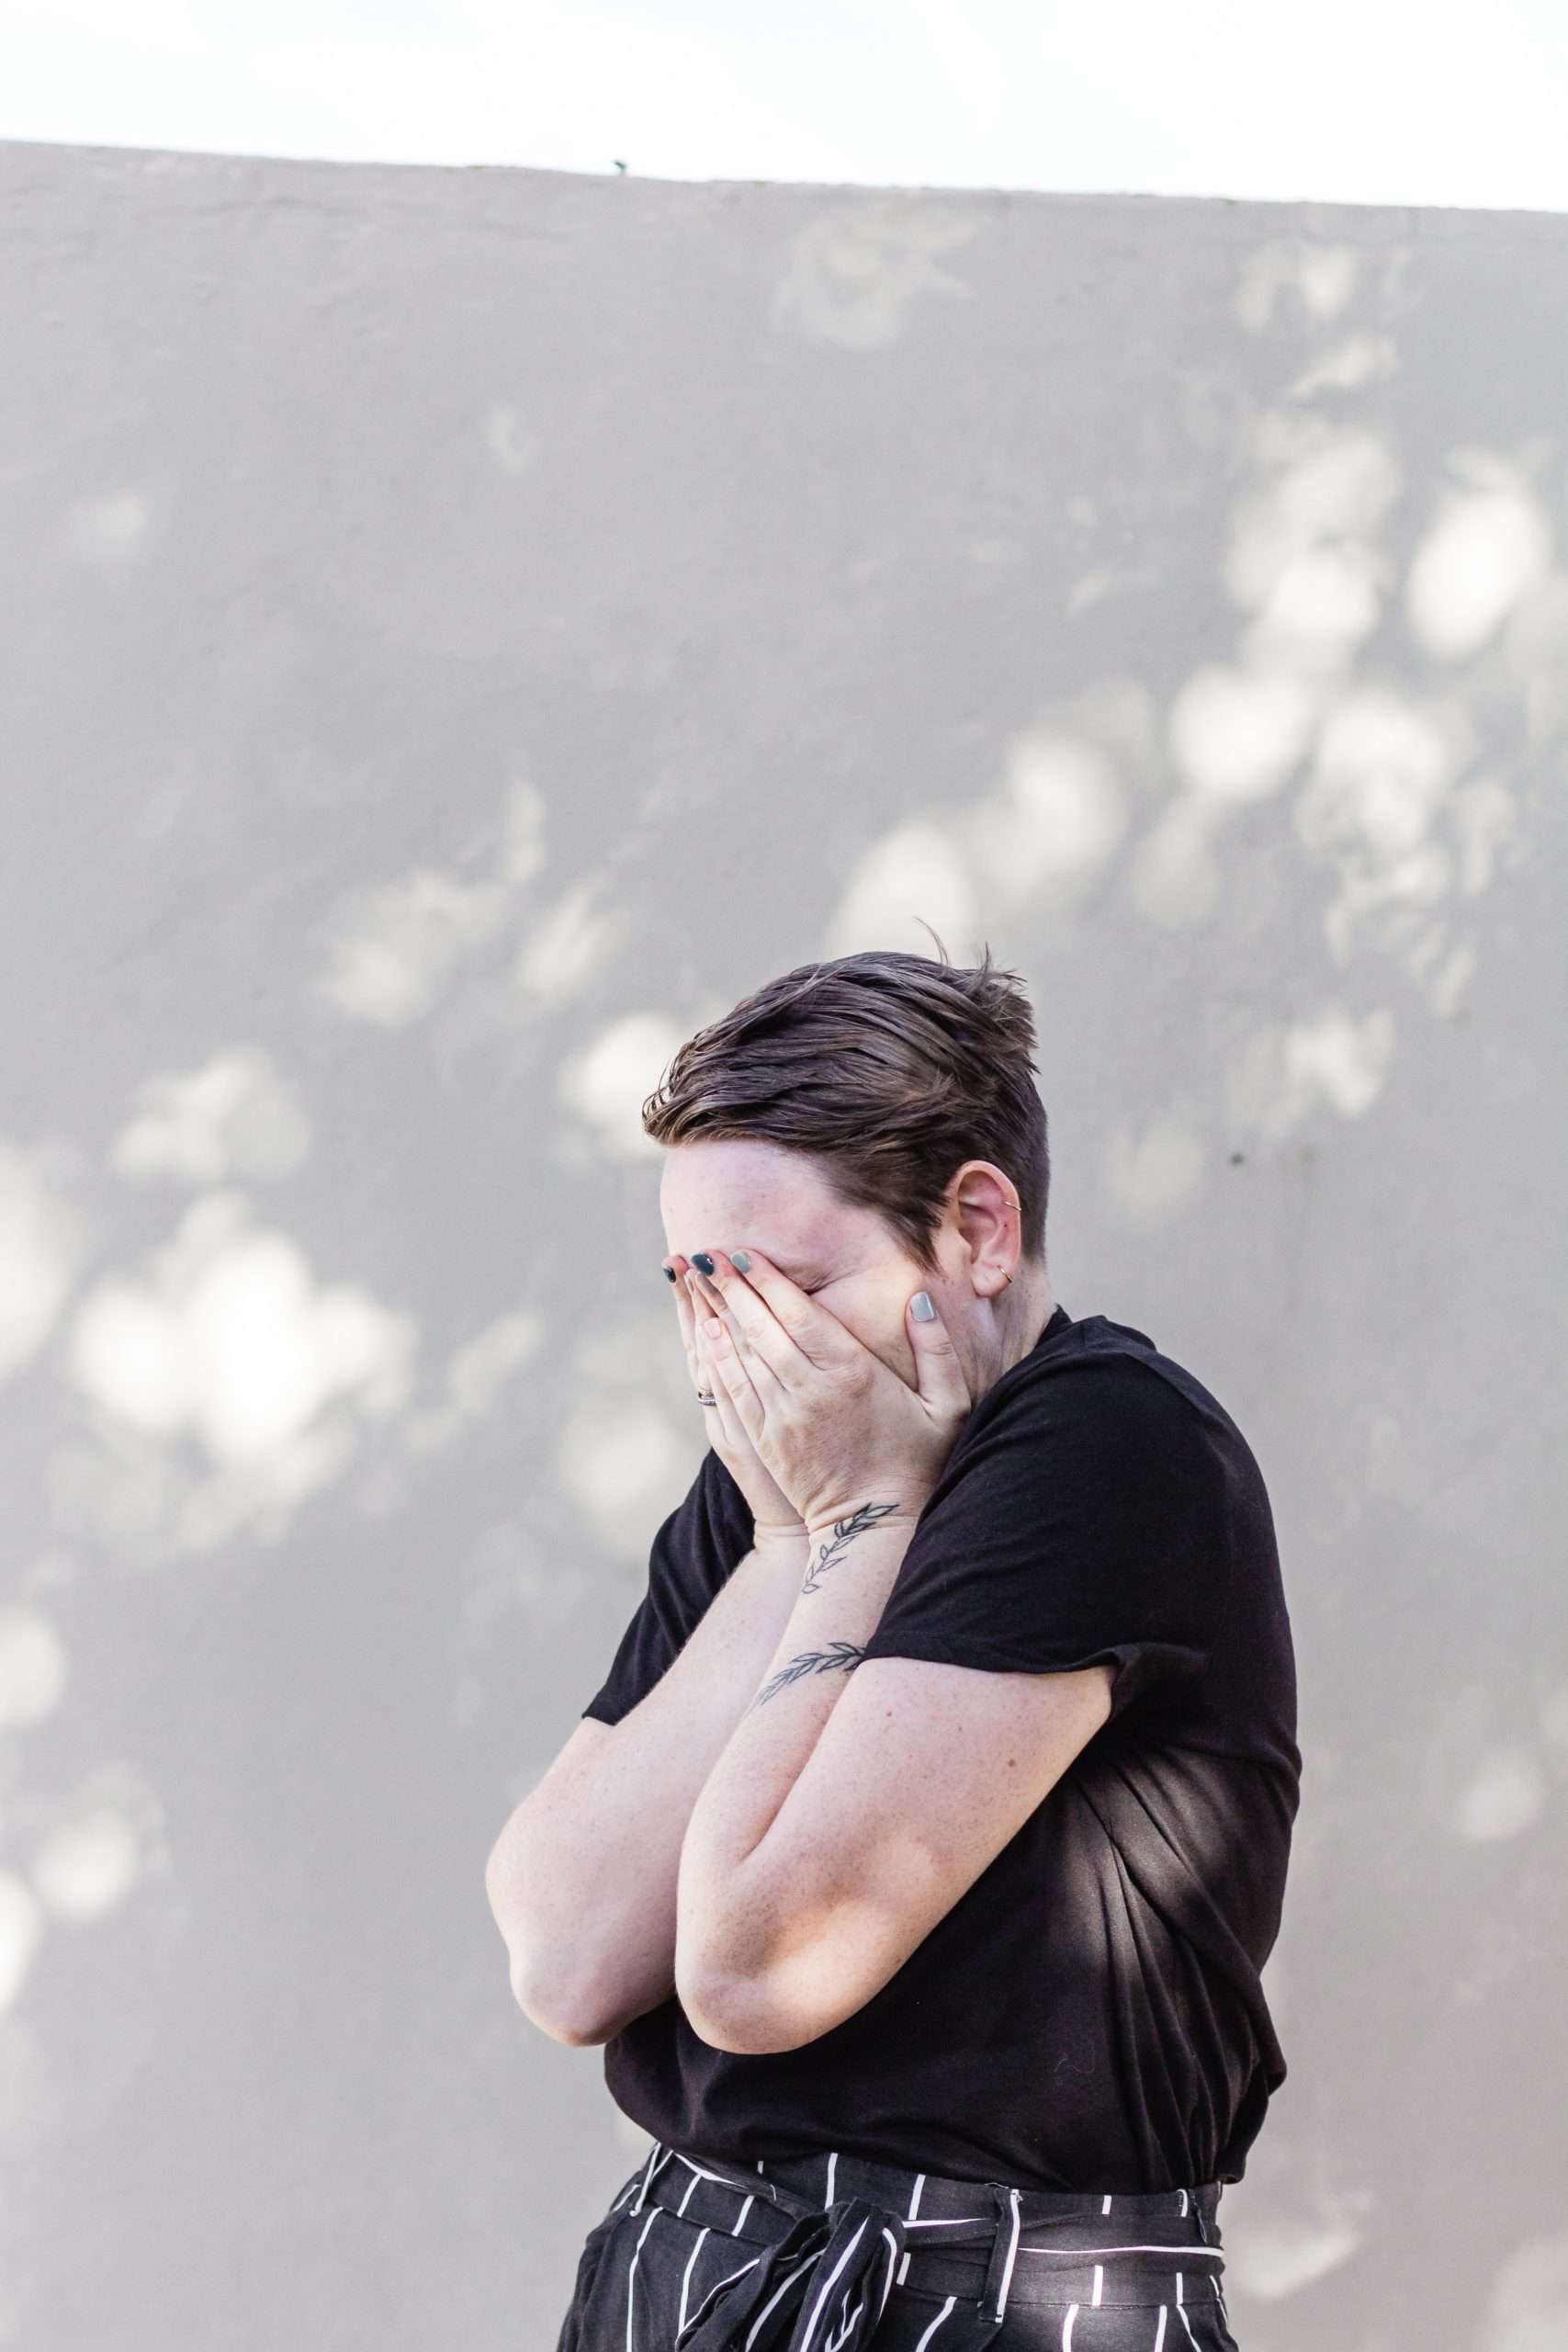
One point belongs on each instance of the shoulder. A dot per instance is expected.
(1100, 1384)
(1106, 1410)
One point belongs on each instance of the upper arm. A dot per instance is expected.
(922, 1774)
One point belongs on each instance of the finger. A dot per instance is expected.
(709, 1299)
(731, 1376)
(938, 1373)
(700, 1364)
(683, 1297)
(690, 1311)
(699, 1356)
(731, 1429)
(789, 1331)
(706, 1302)
(749, 1377)
(768, 1345)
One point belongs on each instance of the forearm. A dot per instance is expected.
(734, 1891)
(583, 1877)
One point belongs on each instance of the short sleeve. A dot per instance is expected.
(1081, 1523)
(692, 1557)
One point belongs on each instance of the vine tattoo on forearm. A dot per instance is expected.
(844, 1534)
(838, 1657)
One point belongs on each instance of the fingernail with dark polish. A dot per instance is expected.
(702, 1261)
(668, 1272)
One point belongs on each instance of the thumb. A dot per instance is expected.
(940, 1375)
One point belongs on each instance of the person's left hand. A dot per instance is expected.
(833, 1426)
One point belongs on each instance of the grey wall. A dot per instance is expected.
(463, 629)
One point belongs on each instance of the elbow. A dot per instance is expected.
(742, 2015)
(779, 2003)
(546, 1982)
(733, 1995)
(752, 1957)
(547, 2003)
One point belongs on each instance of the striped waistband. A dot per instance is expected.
(831, 2236)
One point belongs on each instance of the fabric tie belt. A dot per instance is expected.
(819, 2278)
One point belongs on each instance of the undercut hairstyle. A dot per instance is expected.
(890, 1071)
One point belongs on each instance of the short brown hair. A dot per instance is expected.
(891, 1070)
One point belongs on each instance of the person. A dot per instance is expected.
(917, 1861)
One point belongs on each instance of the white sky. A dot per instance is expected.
(1462, 102)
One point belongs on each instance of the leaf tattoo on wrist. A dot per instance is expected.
(838, 1657)
(844, 1534)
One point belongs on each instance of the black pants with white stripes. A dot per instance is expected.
(826, 2254)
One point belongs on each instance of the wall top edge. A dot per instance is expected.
(61, 158)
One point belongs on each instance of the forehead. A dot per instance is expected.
(722, 1195)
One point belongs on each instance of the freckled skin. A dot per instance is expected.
(737, 1194)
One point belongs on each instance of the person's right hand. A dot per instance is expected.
(773, 1513)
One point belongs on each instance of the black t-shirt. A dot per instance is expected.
(1089, 2014)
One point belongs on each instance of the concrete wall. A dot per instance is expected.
(463, 629)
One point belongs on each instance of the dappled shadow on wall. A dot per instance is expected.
(1395, 684)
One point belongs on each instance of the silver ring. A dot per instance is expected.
(702, 1399)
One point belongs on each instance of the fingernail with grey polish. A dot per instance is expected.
(741, 1262)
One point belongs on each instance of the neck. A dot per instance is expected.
(1030, 1302)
